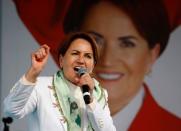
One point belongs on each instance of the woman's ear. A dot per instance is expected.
(61, 61)
(154, 54)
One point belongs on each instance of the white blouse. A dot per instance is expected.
(38, 102)
(123, 119)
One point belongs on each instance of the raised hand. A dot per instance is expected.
(39, 59)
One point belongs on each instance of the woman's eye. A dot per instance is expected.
(74, 53)
(88, 56)
(127, 44)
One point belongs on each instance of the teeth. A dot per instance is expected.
(109, 76)
(77, 68)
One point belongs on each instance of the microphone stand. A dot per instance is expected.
(6, 121)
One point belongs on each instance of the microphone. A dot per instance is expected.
(6, 121)
(85, 88)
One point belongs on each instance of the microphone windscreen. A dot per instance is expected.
(80, 71)
(7, 120)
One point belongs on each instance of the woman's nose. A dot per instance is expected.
(106, 56)
(81, 59)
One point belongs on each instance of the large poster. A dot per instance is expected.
(26, 25)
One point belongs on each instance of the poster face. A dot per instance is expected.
(125, 58)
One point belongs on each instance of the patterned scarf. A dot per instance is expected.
(68, 104)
